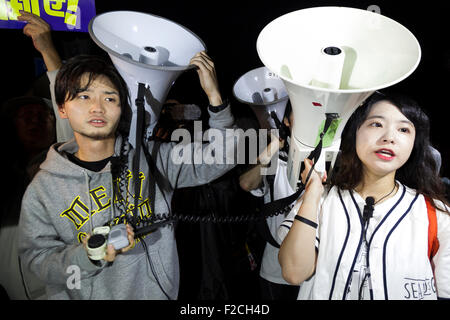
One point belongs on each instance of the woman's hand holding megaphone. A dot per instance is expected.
(315, 181)
(208, 78)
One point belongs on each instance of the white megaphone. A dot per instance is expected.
(145, 49)
(264, 92)
(331, 59)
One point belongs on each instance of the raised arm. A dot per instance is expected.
(39, 31)
(208, 79)
(297, 254)
(253, 178)
(210, 154)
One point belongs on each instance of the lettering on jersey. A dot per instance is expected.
(418, 289)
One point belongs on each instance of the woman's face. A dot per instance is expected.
(385, 139)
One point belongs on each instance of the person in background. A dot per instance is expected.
(272, 187)
(40, 33)
(28, 132)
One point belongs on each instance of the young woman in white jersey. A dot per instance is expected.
(344, 245)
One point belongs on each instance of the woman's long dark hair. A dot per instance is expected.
(420, 171)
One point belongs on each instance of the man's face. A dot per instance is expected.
(95, 112)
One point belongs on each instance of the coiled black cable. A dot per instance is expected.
(148, 225)
(143, 226)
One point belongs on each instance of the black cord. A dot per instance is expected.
(366, 216)
(155, 221)
(362, 286)
(367, 275)
(119, 172)
(152, 268)
(145, 226)
(28, 295)
(148, 225)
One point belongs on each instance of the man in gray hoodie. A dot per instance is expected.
(87, 182)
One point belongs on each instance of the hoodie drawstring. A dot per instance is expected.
(86, 176)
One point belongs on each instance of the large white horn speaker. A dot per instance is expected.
(330, 60)
(264, 92)
(145, 49)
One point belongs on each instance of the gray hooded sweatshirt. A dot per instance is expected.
(65, 202)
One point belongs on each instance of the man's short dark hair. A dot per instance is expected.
(68, 82)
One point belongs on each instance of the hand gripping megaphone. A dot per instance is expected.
(331, 59)
(145, 49)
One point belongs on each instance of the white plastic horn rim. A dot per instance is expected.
(137, 63)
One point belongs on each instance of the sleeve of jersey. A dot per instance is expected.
(442, 258)
(287, 223)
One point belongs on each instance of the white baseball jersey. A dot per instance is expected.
(397, 237)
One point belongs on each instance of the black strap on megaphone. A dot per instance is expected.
(315, 154)
(282, 128)
(140, 103)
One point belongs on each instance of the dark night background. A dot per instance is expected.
(229, 30)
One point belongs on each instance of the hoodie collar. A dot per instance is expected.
(57, 161)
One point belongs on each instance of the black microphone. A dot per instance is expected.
(368, 209)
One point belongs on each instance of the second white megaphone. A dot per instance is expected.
(330, 60)
(265, 93)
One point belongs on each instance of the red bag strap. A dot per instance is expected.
(433, 242)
